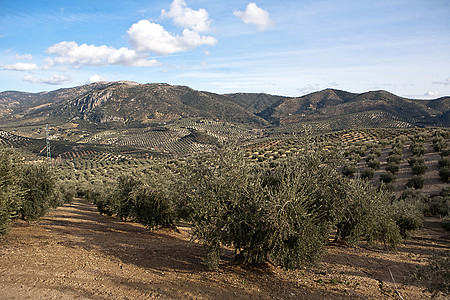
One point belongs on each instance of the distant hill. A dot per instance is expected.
(124, 103)
(332, 104)
(128, 104)
(255, 103)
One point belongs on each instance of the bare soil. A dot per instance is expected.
(76, 253)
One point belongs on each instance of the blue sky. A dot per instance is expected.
(285, 47)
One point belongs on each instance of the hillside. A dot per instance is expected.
(336, 104)
(129, 104)
(123, 103)
(162, 120)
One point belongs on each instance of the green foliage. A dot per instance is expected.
(367, 173)
(417, 149)
(349, 170)
(392, 167)
(416, 182)
(147, 199)
(283, 213)
(27, 191)
(446, 222)
(440, 205)
(439, 144)
(408, 215)
(10, 190)
(395, 158)
(419, 168)
(40, 191)
(387, 177)
(374, 164)
(444, 162)
(416, 160)
(367, 214)
(444, 173)
(396, 151)
(280, 214)
(411, 194)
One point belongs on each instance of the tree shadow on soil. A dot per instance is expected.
(164, 250)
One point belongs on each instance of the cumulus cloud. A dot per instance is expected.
(255, 15)
(55, 79)
(445, 82)
(70, 53)
(96, 78)
(432, 94)
(186, 17)
(20, 67)
(25, 56)
(146, 36)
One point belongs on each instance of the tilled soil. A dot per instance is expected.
(76, 253)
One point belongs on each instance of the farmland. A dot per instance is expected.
(283, 192)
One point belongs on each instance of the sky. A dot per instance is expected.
(284, 47)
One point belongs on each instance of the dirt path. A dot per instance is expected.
(75, 253)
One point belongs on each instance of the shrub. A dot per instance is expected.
(281, 214)
(444, 173)
(418, 149)
(396, 151)
(10, 191)
(374, 164)
(388, 187)
(368, 173)
(411, 194)
(40, 188)
(416, 159)
(419, 168)
(376, 152)
(445, 152)
(349, 170)
(147, 200)
(395, 158)
(387, 177)
(439, 206)
(371, 157)
(444, 162)
(368, 214)
(439, 144)
(408, 216)
(265, 214)
(392, 167)
(446, 222)
(416, 182)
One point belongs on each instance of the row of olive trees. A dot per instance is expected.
(283, 212)
(27, 191)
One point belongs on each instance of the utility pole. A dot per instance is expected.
(49, 157)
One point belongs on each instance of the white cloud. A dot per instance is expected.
(20, 67)
(256, 16)
(70, 53)
(96, 78)
(432, 94)
(146, 36)
(186, 17)
(25, 56)
(55, 79)
(445, 82)
(308, 89)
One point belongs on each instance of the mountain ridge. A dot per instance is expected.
(130, 104)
